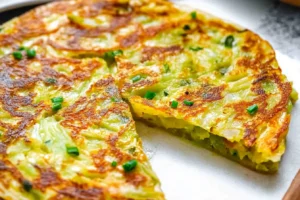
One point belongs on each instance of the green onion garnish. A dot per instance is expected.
(47, 141)
(188, 103)
(186, 27)
(51, 80)
(56, 106)
(73, 151)
(112, 54)
(57, 100)
(194, 15)
(17, 55)
(114, 163)
(166, 68)
(229, 41)
(130, 165)
(136, 78)
(195, 48)
(27, 185)
(252, 109)
(174, 104)
(31, 53)
(166, 93)
(21, 48)
(114, 99)
(150, 95)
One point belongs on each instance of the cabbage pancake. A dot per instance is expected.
(67, 134)
(195, 75)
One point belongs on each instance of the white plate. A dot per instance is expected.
(11, 4)
(189, 172)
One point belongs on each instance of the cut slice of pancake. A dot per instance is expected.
(66, 133)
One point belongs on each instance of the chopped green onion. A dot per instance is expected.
(195, 48)
(132, 150)
(114, 99)
(130, 165)
(31, 53)
(186, 27)
(188, 103)
(252, 109)
(114, 163)
(51, 80)
(174, 104)
(57, 100)
(136, 78)
(194, 15)
(56, 106)
(229, 41)
(150, 95)
(166, 93)
(21, 48)
(17, 55)
(27, 185)
(47, 141)
(73, 151)
(112, 54)
(166, 68)
(235, 153)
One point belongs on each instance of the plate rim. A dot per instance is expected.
(20, 3)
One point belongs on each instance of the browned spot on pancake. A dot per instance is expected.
(100, 162)
(200, 97)
(263, 115)
(80, 115)
(48, 177)
(2, 148)
(114, 150)
(129, 40)
(28, 25)
(80, 192)
(209, 94)
(93, 9)
(135, 179)
(105, 82)
(11, 102)
(250, 42)
(159, 52)
(61, 7)
(86, 111)
(221, 25)
(9, 171)
(140, 84)
(3, 166)
(74, 32)
(15, 76)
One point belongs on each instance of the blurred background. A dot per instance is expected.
(277, 22)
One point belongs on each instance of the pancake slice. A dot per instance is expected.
(66, 133)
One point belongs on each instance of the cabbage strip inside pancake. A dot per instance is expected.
(195, 75)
